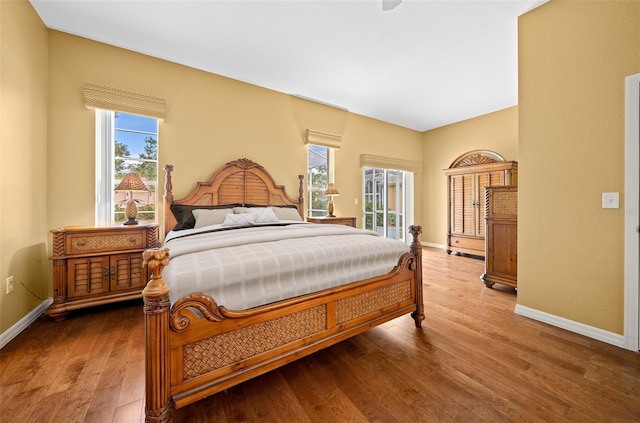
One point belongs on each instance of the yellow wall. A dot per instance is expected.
(23, 161)
(573, 58)
(495, 131)
(210, 120)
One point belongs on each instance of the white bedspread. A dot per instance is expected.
(248, 267)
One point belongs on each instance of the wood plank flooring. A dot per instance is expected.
(474, 361)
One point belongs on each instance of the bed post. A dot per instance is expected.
(158, 406)
(301, 196)
(168, 200)
(416, 249)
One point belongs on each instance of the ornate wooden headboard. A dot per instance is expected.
(238, 182)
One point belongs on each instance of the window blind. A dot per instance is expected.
(118, 100)
(370, 160)
(323, 139)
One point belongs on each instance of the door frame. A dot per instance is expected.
(632, 211)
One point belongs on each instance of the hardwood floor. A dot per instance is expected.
(474, 361)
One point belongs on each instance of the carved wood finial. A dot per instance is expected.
(416, 247)
(155, 259)
(244, 163)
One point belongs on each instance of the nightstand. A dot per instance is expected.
(348, 221)
(98, 265)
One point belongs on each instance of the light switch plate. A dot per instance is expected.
(610, 200)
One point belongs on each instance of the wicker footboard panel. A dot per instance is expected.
(246, 346)
(223, 350)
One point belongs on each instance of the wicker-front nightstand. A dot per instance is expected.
(348, 221)
(98, 265)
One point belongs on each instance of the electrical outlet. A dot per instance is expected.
(9, 284)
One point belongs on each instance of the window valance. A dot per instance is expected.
(116, 99)
(382, 162)
(323, 139)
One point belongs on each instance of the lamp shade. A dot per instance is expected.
(131, 182)
(331, 189)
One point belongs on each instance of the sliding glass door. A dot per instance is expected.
(388, 201)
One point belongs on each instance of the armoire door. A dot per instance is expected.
(462, 203)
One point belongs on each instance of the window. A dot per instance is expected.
(388, 201)
(125, 143)
(319, 173)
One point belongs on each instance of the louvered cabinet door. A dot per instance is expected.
(88, 276)
(126, 272)
(461, 207)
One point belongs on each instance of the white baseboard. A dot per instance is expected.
(570, 325)
(24, 323)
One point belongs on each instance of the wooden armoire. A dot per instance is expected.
(467, 177)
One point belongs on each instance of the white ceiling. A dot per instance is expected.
(421, 65)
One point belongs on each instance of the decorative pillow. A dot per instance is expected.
(240, 209)
(210, 217)
(263, 215)
(241, 219)
(184, 214)
(286, 213)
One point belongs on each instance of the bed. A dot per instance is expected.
(197, 345)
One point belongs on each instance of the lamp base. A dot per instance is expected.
(131, 211)
(330, 208)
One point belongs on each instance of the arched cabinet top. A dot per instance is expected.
(476, 157)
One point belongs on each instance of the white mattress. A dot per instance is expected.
(247, 267)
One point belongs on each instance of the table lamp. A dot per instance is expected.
(330, 191)
(133, 183)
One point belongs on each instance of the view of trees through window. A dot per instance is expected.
(136, 150)
(317, 178)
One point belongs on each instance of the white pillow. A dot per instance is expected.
(263, 215)
(207, 217)
(242, 219)
(286, 213)
(239, 210)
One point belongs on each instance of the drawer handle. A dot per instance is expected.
(82, 243)
(132, 239)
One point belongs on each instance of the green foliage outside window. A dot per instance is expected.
(145, 165)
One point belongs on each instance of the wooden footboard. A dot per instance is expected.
(197, 348)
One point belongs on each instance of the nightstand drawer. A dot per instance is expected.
(91, 243)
